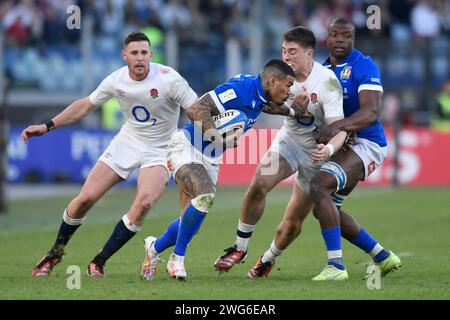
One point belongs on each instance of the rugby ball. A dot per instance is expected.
(229, 121)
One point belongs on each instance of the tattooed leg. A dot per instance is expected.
(194, 181)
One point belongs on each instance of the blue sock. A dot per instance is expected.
(169, 237)
(332, 238)
(380, 256)
(365, 242)
(118, 238)
(190, 223)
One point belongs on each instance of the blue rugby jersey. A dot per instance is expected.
(242, 92)
(355, 73)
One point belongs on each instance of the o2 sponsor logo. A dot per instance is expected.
(141, 114)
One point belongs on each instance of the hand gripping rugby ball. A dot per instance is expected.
(230, 121)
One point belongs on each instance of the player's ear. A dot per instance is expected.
(151, 53)
(272, 81)
(124, 55)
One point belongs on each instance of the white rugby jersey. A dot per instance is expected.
(325, 94)
(151, 106)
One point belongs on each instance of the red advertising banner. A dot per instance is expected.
(423, 159)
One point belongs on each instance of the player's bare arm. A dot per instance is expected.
(201, 113)
(74, 112)
(323, 152)
(369, 112)
(297, 110)
(273, 108)
(194, 180)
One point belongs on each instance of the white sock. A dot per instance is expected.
(178, 258)
(71, 221)
(334, 254)
(272, 253)
(129, 225)
(153, 251)
(376, 250)
(243, 234)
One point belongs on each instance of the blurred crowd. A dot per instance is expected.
(36, 34)
(42, 22)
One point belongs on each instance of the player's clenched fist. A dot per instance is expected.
(33, 131)
(321, 154)
(300, 106)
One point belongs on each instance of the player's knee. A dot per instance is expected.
(258, 187)
(316, 214)
(315, 188)
(145, 202)
(320, 187)
(203, 202)
(86, 200)
(290, 228)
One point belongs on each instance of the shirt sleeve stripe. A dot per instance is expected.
(217, 101)
(373, 87)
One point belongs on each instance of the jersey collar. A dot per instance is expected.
(352, 56)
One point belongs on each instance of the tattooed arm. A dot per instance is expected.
(201, 113)
(297, 110)
(273, 108)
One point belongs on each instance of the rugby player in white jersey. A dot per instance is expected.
(294, 150)
(301, 203)
(150, 96)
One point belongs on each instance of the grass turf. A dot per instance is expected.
(413, 222)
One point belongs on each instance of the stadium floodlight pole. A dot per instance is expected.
(256, 36)
(3, 129)
(87, 40)
(397, 129)
(171, 47)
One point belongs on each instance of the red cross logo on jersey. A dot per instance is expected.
(154, 93)
(170, 165)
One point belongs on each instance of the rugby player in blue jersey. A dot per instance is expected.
(361, 86)
(195, 163)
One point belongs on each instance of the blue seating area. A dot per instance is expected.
(61, 69)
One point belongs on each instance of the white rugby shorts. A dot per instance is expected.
(181, 152)
(126, 153)
(371, 154)
(297, 156)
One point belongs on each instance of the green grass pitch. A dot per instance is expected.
(413, 222)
